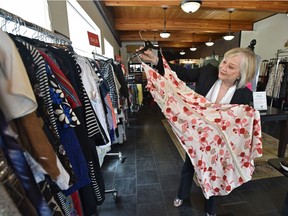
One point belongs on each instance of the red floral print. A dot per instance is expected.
(222, 140)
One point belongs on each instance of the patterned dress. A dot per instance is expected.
(222, 140)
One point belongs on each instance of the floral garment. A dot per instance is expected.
(222, 140)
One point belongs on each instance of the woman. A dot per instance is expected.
(224, 85)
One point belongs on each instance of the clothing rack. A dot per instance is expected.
(61, 39)
(99, 56)
(119, 154)
(281, 54)
(114, 191)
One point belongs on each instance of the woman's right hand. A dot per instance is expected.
(148, 56)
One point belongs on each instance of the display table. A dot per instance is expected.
(273, 114)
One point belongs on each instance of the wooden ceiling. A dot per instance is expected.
(127, 18)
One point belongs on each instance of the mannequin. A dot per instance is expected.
(211, 60)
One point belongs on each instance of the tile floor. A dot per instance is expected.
(148, 176)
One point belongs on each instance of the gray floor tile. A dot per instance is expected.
(145, 164)
(147, 181)
(151, 209)
(125, 171)
(149, 194)
(126, 186)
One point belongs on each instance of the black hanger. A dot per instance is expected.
(147, 45)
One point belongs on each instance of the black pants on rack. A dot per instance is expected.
(186, 181)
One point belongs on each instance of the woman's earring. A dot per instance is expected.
(237, 80)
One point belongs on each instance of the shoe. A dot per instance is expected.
(177, 202)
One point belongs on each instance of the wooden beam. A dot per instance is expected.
(182, 37)
(176, 25)
(254, 5)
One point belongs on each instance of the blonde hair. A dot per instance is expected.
(247, 64)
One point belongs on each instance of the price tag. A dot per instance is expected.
(260, 100)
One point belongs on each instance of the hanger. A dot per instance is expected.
(147, 45)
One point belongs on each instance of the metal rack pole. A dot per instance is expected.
(14, 18)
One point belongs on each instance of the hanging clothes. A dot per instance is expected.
(15, 157)
(106, 70)
(274, 82)
(13, 187)
(105, 96)
(222, 140)
(36, 70)
(14, 82)
(91, 84)
(7, 205)
(23, 89)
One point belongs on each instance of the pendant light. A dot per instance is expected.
(182, 52)
(165, 34)
(190, 6)
(229, 36)
(155, 42)
(193, 48)
(210, 42)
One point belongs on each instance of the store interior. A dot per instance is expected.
(81, 131)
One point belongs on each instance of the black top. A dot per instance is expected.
(205, 77)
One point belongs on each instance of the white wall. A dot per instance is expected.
(270, 34)
(58, 16)
(59, 20)
(91, 9)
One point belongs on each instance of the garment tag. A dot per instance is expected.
(260, 100)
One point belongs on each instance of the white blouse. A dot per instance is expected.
(213, 93)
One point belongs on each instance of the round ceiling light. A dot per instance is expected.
(164, 34)
(190, 6)
(209, 43)
(228, 37)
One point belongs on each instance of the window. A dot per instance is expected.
(38, 14)
(79, 24)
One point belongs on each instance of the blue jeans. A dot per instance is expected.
(186, 181)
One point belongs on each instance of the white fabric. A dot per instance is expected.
(17, 98)
(213, 93)
(39, 173)
(90, 80)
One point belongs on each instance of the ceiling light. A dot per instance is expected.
(165, 34)
(210, 42)
(182, 52)
(155, 42)
(190, 6)
(229, 36)
(193, 48)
